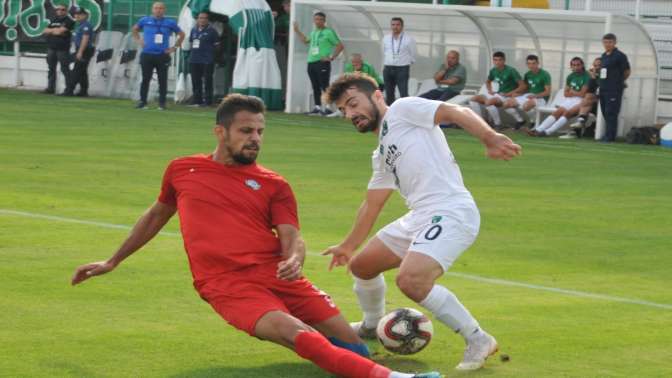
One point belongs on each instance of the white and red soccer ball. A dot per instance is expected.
(405, 331)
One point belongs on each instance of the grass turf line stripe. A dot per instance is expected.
(471, 277)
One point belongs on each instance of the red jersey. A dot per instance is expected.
(227, 213)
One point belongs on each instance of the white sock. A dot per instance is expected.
(546, 124)
(396, 374)
(371, 296)
(514, 113)
(476, 107)
(557, 125)
(447, 308)
(494, 114)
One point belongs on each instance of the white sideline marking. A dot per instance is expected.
(472, 277)
(78, 221)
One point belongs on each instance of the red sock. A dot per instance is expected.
(342, 362)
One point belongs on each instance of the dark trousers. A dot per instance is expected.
(202, 73)
(55, 57)
(610, 103)
(319, 74)
(148, 63)
(395, 76)
(439, 94)
(80, 74)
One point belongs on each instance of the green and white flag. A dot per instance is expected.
(256, 72)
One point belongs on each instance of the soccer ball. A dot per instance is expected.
(405, 331)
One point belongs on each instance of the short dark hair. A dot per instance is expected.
(499, 54)
(362, 82)
(398, 19)
(234, 103)
(532, 57)
(610, 36)
(321, 14)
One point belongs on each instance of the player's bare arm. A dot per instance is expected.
(366, 217)
(498, 146)
(149, 224)
(293, 252)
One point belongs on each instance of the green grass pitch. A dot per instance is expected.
(579, 216)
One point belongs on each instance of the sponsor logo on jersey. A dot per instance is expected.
(252, 184)
(436, 219)
(392, 155)
(385, 129)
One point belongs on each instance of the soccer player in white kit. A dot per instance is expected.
(413, 157)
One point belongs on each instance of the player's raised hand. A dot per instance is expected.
(340, 255)
(87, 271)
(500, 147)
(290, 269)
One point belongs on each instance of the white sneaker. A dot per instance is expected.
(591, 119)
(569, 135)
(335, 114)
(363, 332)
(479, 347)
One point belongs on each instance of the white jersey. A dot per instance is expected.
(414, 157)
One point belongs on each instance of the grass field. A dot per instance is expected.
(591, 219)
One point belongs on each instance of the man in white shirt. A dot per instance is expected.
(399, 53)
(412, 156)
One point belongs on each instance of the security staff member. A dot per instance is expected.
(324, 47)
(399, 53)
(614, 71)
(156, 31)
(203, 39)
(84, 36)
(58, 42)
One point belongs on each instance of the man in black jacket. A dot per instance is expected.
(58, 35)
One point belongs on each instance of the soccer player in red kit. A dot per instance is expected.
(241, 233)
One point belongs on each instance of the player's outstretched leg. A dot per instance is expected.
(416, 278)
(370, 287)
(284, 329)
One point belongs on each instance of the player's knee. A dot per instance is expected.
(414, 286)
(361, 270)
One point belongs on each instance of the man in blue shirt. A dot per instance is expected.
(203, 39)
(614, 72)
(84, 35)
(156, 32)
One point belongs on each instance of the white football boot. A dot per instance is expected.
(480, 346)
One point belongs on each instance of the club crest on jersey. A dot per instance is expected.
(253, 184)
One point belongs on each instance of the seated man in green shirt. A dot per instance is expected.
(509, 81)
(357, 64)
(576, 87)
(451, 78)
(534, 93)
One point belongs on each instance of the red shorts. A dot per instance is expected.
(242, 297)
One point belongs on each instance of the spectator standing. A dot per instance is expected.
(399, 52)
(203, 38)
(614, 72)
(451, 78)
(156, 31)
(59, 33)
(324, 48)
(84, 36)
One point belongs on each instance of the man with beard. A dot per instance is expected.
(241, 234)
(413, 157)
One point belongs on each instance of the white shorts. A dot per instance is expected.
(441, 235)
(521, 100)
(569, 102)
(496, 95)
